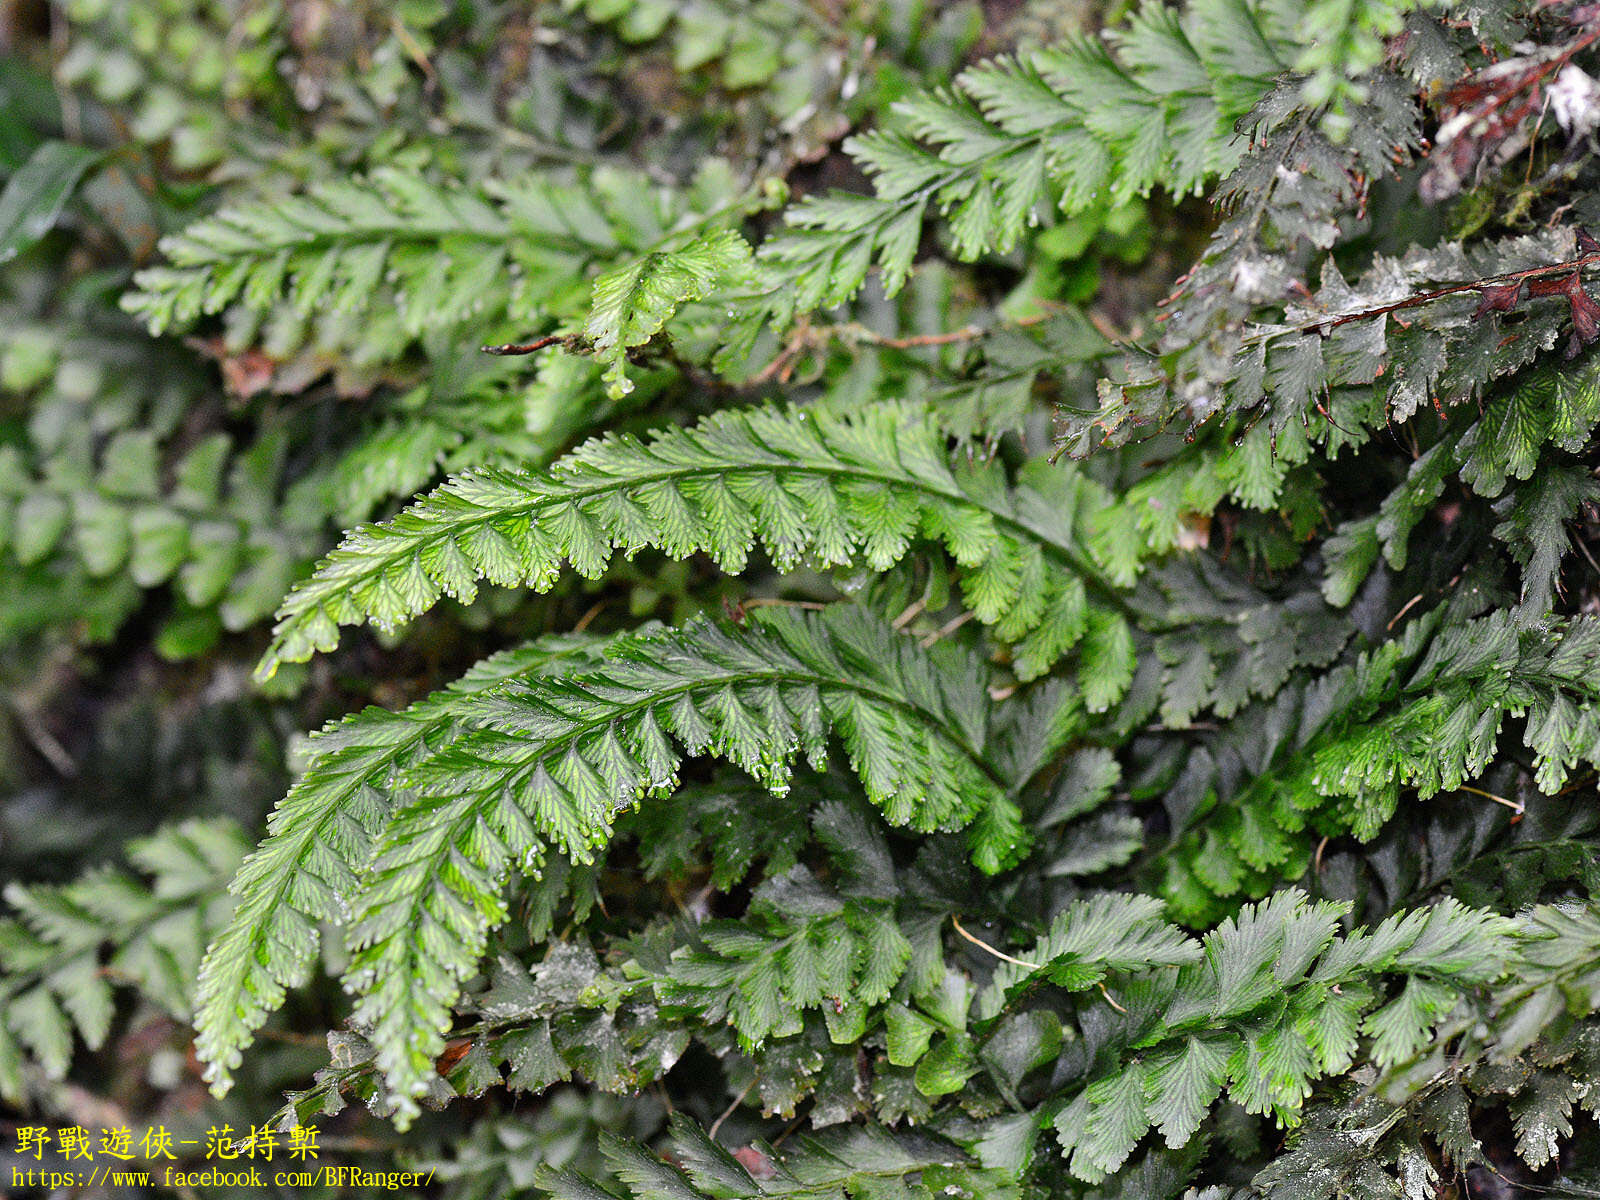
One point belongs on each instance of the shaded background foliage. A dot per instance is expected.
(1316, 609)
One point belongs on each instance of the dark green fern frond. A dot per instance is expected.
(1424, 713)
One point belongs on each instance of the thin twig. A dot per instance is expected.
(1109, 1000)
(1022, 962)
(729, 1111)
(46, 743)
(1515, 806)
(413, 49)
(790, 1128)
(945, 630)
(1583, 549)
(911, 613)
(780, 602)
(533, 347)
(1421, 298)
(1395, 620)
(1000, 954)
(807, 336)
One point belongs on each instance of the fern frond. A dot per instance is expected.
(67, 945)
(1066, 127)
(1342, 41)
(1265, 1004)
(802, 945)
(308, 868)
(1421, 713)
(809, 487)
(1281, 205)
(852, 1161)
(554, 762)
(504, 253)
(336, 245)
(1527, 1051)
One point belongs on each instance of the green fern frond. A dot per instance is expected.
(308, 868)
(500, 772)
(802, 945)
(67, 945)
(1527, 1050)
(1067, 127)
(1272, 1001)
(1280, 207)
(504, 253)
(336, 246)
(555, 762)
(1422, 713)
(809, 487)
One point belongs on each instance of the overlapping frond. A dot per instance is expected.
(807, 487)
(307, 869)
(496, 776)
(1088, 122)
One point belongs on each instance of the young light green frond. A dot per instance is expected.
(308, 868)
(809, 487)
(632, 302)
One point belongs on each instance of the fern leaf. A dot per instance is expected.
(632, 302)
(554, 761)
(1066, 127)
(1342, 40)
(333, 246)
(68, 944)
(1244, 1011)
(308, 868)
(509, 251)
(810, 487)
